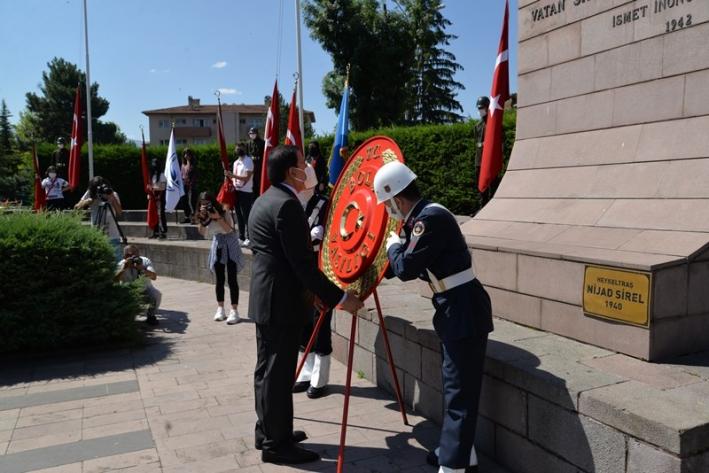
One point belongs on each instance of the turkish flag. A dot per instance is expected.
(40, 197)
(227, 194)
(270, 135)
(75, 151)
(152, 219)
(491, 163)
(293, 135)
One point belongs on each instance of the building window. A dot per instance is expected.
(242, 121)
(164, 142)
(181, 142)
(200, 141)
(200, 122)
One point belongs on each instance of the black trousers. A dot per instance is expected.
(277, 356)
(162, 219)
(462, 369)
(231, 279)
(323, 343)
(244, 201)
(56, 204)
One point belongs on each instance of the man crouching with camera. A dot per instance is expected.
(130, 268)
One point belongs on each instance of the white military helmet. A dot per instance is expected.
(391, 179)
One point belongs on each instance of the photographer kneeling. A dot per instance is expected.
(130, 268)
(105, 206)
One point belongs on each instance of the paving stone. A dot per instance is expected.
(643, 458)
(68, 394)
(578, 439)
(121, 461)
(522, 456)
(674, 420)
(657, 375)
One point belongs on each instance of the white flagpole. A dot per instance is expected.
(300, 72)
(89, 129)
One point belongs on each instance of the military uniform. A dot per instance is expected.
(435, 250)
(486, 195)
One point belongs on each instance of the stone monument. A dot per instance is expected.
(599, 230)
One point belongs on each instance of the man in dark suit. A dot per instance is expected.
(284, 276)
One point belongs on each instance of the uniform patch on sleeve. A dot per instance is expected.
(419, 228)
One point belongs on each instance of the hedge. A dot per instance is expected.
(441, 155)
(58, 289)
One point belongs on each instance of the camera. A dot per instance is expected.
(209, 208)
(103, 191)
(136, 260)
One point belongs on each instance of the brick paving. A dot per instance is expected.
(184, 403)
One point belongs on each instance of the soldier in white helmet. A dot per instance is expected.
(434, 250)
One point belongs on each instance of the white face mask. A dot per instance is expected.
(311, 179)
(482, 112)
(52, 175)
(394, 210)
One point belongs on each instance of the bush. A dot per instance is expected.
(57, 289)
(441, 155)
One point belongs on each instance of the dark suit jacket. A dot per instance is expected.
(284, 270)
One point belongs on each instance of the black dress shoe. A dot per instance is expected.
(151, 320)
(289, 455)
(298, 436)
(314, 393)
(301, 386)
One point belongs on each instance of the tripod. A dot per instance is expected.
(348, 382)
(104, 211)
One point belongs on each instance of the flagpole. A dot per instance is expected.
(89, 130)
(300, 71)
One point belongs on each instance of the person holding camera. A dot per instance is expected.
(54, 187)
(130, 268)
(224, 255)
(105, 207)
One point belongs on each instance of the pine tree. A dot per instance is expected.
(51, 111)
(433, 86)
(6, 134)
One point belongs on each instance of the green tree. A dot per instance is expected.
(376, 43)
(12, 182)
(50, 113)
(432, 84)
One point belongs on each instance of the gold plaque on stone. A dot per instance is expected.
(617, 294)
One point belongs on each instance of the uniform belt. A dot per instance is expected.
(448, 283)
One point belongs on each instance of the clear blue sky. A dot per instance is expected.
(148, 54)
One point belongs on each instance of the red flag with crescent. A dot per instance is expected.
(75, 150)
(227, 194)
(491, 163)
(270, 135)
(40, 197)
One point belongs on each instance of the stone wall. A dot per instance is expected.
(608, 168)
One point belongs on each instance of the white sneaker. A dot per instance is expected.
(219, 315)
(233, 317)
(246, 243)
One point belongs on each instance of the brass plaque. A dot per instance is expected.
(617, 294)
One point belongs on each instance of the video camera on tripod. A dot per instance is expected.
(104, 191)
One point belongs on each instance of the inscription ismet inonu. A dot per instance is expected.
(554, 8)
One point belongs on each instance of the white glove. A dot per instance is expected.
(393, 239)
(316, 233)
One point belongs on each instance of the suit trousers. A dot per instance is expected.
(462, 378)
(277, 356)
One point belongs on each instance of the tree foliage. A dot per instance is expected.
(400, 71)
(432, 85)
(50, 113)
(376, 44)
(12, 182)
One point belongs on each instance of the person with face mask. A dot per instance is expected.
(284, 276)
(315, 374)
(434, 250)
(54, 187)
(242, 177)
(482, 105)
(158, 184)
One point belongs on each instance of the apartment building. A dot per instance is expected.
(197, 124)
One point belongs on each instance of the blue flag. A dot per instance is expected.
(337, 162)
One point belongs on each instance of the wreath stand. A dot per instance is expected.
(348, 381)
